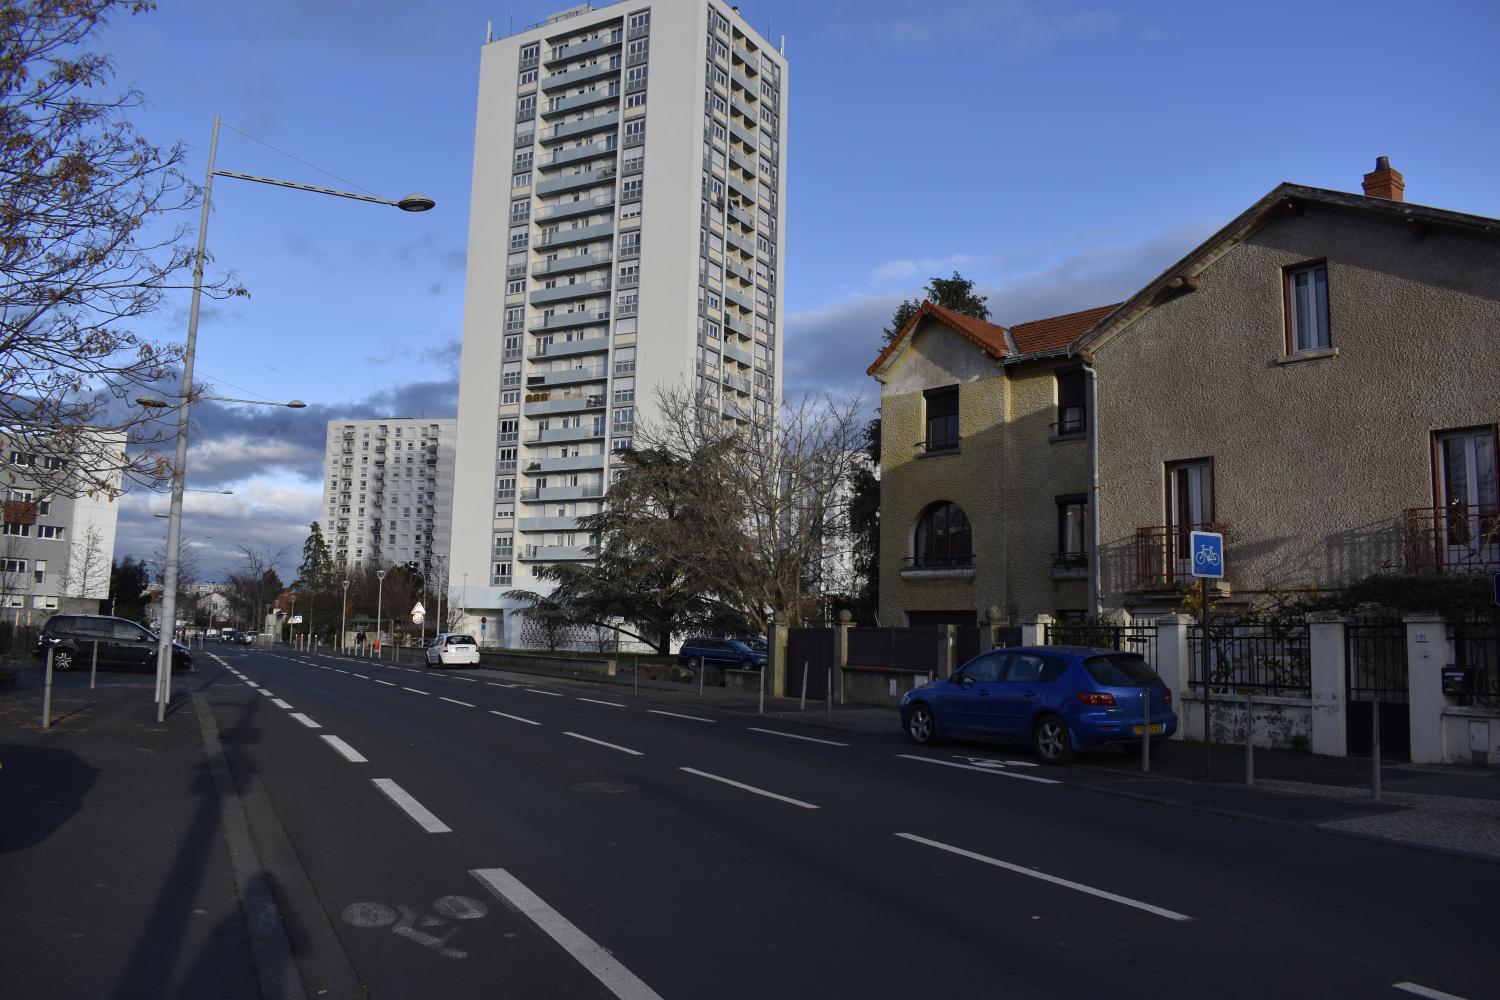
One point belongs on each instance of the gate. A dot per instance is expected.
(966, 640)
(1375, 669)
(813, 647)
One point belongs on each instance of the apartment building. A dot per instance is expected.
(626, 235)
(56, 548)
(388, 491)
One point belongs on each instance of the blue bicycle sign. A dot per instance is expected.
(1207, 548)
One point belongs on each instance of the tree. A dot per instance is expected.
(956, 293)
(315, 573)
(88, 566)
(128, 580)
(187, 579)
(85, 247)
(253, 586)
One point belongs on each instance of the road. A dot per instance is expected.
(472, 837)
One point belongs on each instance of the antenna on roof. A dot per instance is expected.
(489, 32)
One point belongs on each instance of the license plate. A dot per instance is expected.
(1155, 729)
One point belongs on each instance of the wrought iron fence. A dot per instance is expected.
(1137, 637)
(1375, 660)
(1270, 656)
(1476, 645)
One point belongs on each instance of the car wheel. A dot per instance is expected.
(921, 726)
(62, 658)
(1050, 739)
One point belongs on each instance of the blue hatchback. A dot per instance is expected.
(1059, 699)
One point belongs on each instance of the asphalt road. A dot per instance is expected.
(480, 838)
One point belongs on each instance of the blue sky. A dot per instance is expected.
(1060, 153)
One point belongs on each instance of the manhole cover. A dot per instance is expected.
(603, 787)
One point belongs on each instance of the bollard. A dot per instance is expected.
(635, 675)
(94, 665)
(1249, 738)
(702, 669)
(1375, 748)
(761, 710)
(47, 694)
(803, 706)
(1146, 730)
(828, 680)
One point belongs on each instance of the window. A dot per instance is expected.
(635, 132)
(1468, 500)
(13, 528)
(1072, 405)
(521, 180)
(630, 244)
(1307, 308)
(526, 107)
(55, 531)
(943, 539)
(942, 418)
(1072, 534)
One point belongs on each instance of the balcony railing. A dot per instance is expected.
(962, 560)
(1163, 555)
(1459, 538)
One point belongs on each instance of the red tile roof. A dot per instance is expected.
(1057, 332)
(987, 335)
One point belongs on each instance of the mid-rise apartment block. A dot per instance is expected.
(57, 538)
(626, 233)
(388, 491)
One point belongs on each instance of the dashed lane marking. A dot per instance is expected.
(596, 701)
(612, 746)
(549, 694)
(418, 812)
(1425, 991)
(749, 788)
(517, 718)
(279, 703)
(455, 701)
(350, 754)
(309, 723)
(415, 691)
(679, 715)
(794, 736)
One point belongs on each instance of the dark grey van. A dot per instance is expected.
(123, 645)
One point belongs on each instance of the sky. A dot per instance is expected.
(1061, 154)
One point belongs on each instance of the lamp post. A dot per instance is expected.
(344, 617)
(411, 203)
(291, 622)
(379, 594)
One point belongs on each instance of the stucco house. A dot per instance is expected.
(984, 469)
(1321, 379)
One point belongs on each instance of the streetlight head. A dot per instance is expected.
(346, 584)
(296, 404)
(415, 203)
(380, 574)
(152, 403)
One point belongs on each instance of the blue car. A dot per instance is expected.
(1059, 699)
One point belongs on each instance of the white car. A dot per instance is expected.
(453, 649)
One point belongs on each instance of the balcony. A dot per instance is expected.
(563, 435)
(739, 298)
(563, 463)
(578, 102)
(583, 491)
(540, 404)
(737, 383)
(564, 321)
(1162, 554)
(574, 154)
(743, 244)
(1459, 538)
(575, 262)
(957, 566)
(568, 209)
(745, 189)
(570, 348)
(566, 376)
(577, 50)
(743, 357)
(567, 130)
(572, 182)
(575, 290)
(554, 553)
(546, 524)
(577, 234)
(573, 77)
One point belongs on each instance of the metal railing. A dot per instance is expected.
(1458, 538)
(1476, 646)
(1137, 637)
(1162, 554)
(1375, 660)
(1263, 655)
(963, 560)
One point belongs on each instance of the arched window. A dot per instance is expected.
(943, 538)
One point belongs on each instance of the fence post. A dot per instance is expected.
(1249, 738)
(1034, 632)
(776, 656)
(1328, 650)
(841, 650)
(94, 665)
(987, 633)
(47, 694)
(1375, 748)
(1426, 656)
(1172, 663)
(949, 652)
(802, 707)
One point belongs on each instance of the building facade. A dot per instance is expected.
(1319, 381)
(57, 543)
(388, 491)
(625, 237)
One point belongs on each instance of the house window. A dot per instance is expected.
(1072, 537)
(1190, 507)
(1072, 404)
(1468, 501)
(943, 538)
(942, 418)
(1307, 308)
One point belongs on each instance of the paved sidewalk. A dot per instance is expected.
(113, 861)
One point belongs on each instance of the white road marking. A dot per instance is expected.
(748, 788)
(604, 967)
(350, 754)
(341, 671)
(309, 723)
(494, 685)
(386, 683)
(676, 715)
(425, 819)
(981, 770)
(455, 701)
(1043, 876)
(794, 736)
(529, 722)
(362, 677)
(596, 701)
(549, 694)
(414, 690)
(590, 739)
(263, 691)
(471, 680)
(279, 703)
(1425, 991)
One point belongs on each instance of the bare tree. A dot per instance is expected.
(88, 565)
(83, 246)
(256, 583)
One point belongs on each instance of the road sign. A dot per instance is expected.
(418, 614)
(296, 619)
(1207, 548)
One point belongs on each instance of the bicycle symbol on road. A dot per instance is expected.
(992, 764)
(377, 915)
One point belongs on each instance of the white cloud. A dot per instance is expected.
(893, 271)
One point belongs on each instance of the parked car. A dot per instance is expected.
(1059, 699)
(453, 649)
(246, 638)
(122, 644)
(738, 654)
(211, 633)
(227, 635)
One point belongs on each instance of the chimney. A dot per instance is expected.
(1383, 182)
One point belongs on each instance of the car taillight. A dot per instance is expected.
(1166, 695)
(1096, 697)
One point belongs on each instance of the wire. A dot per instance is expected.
(210, 377)
(306, 163)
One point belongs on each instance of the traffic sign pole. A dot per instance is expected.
(1206, 553)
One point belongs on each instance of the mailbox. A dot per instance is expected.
(1458, 680)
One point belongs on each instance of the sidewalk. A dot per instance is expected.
(113, 853)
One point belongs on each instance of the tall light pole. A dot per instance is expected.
(344, 617)
(379, 594)
(411, 203)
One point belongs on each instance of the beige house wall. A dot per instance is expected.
(1314, 461)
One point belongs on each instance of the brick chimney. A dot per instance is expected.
(1383, 182)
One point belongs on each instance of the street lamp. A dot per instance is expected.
(411, 203)
(379, 593)
(157, 403)
(344, 618)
